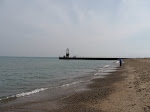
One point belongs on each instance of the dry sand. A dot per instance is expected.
(127, 90)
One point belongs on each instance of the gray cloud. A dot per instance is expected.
(47, 28)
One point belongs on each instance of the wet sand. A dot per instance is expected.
(127, 90)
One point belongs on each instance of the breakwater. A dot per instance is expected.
(89, 58)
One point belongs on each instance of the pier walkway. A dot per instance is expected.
(89, 58)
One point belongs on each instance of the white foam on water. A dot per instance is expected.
(24, 94)
(96, 74)
(31, 92)
(100, 70)
(13, 96)
(117, 61)
(39, 90)
(106, 66)
(72, 83)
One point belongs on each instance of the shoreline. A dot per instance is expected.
(51, 96)
(99, 89)
(53, 104)
(126, 90)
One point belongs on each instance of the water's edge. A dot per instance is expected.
(59, 92)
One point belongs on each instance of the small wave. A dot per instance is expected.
(95, 73)
(100, 70)
(8, 98)
(96, 77)
(117, 61)
(23, 94)
(31, 92)
(106, 66)
(69, 84)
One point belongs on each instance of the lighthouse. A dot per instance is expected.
(67, 53)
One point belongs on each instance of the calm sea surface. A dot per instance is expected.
(20, 76)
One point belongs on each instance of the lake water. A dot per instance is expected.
(26, 76)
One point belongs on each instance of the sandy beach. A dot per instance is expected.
(126, 90)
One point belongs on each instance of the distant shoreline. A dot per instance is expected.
(25, 57)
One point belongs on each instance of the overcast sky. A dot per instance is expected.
(46, 28)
